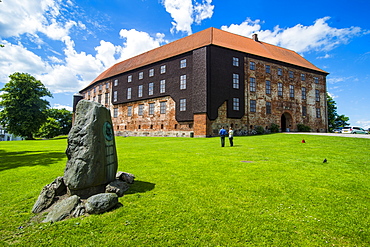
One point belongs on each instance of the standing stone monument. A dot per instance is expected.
(90, 183)
(91, 152)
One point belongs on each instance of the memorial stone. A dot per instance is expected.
(91, 151)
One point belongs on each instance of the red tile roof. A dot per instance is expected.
(210, 36)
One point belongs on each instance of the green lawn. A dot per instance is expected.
(269, 190)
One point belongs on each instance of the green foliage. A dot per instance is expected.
(23, 112)
(63, 118)
(303, 128)
(260, 130)
(267, 190)
(334, 120)
(274, 128)
(49, 129)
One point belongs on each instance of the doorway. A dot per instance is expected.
(286, 122)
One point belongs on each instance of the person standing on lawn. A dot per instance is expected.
(222, 133)
(231, 137)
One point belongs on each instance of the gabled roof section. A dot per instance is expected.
(204, 38)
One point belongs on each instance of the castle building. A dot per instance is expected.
(213, 78)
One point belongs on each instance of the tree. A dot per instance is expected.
(334, 120)
(63, 118)
(49, 129)
(24, 108)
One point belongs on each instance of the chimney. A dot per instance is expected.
(255, 37)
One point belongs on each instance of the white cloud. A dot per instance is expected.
(185, 13)
(59, 106)
(317, 37)
(364, 124)
(136, 42)
(325, 56)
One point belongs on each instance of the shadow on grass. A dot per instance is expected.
(11, 160)
(140, 187)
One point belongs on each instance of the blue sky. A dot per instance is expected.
(67, 44)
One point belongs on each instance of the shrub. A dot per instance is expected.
(303, 128)
(260, 130)
(274, 128)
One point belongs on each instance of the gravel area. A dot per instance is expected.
(331, 134)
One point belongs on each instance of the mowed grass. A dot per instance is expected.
(269, 190)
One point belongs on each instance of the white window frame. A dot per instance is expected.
(253, 105)
(252, 84)
(304, 93)
(116, 82)
(141, 110)
(183, 63)
(115, 96)
(291, 91)
(141, 75)
(163, 107)
(182, 104)
(151, 72)
(129, 90)
(280, 89)
(129, 78)
(140, 91)
(162, 88)
(236, 61)
(151, 88)
(115, 112)
(129, 111)
(236, 81)
(183, 82)
(268, 87)
(151, 108)
(236, 104)
(163, 69)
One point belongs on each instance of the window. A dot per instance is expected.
(129, 93)
(268, 107)
(253, 105)
(151, 108)
(151, 88)
(115, 96)
(291, 91)
(318, 113)
(140, 91)
(163, 69)
(151, 72)
(291, 74)
(268, 87)
(182, 104)
(236, 61)
(162, 106)
(303, 93)
(129, 111)
(99, 98)
(94, 89)
(280, 89)
(252, 84)
(303, 77)
(107, 85)
(268, 69)
(115, 112)
(141, 75)
(129, 78)
(236, 104)
(280, 71)
(141, 110)
(183, 82)
(116, 82)
(100, 87)
(304, 111)
(236, 81)
(316, 80)
(317, 95)
(162, 88)
(106, 98)
(252, 65)
(183, 63)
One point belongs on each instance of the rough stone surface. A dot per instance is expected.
(101, 203)
(118, 187)
(91, 151)
(126, 177)
(48, 193)
(63, 209)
